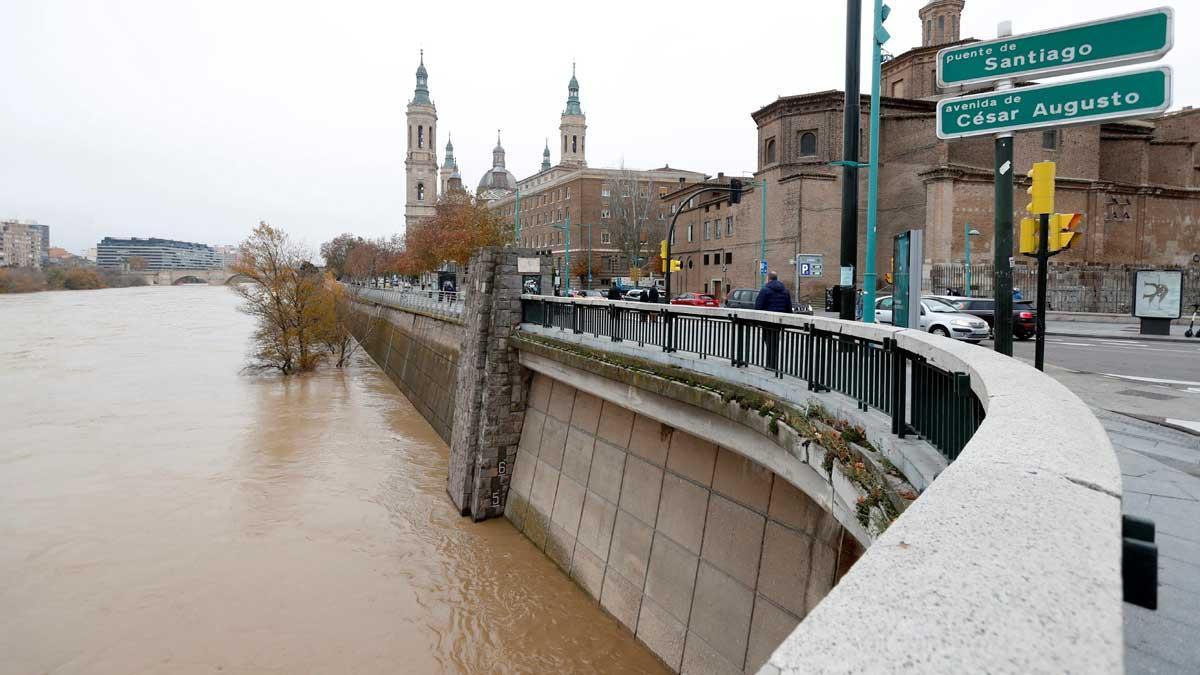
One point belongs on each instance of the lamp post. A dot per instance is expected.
(967, 237)
(881, 36)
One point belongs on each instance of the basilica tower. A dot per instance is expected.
(573, 127)
(939, 22)
(420, 164)
(448, 165)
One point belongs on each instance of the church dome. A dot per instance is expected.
(497, 179)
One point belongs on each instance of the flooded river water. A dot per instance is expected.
(161, 511)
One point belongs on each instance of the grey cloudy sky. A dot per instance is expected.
(195, 119)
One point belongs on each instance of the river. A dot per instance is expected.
(162, 511)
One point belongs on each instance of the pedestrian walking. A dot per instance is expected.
(773, 297)
(614, 292)
(652, 298)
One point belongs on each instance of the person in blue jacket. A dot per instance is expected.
(773, 297)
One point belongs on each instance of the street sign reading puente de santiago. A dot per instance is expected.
(1122, 40)
(1116, 41)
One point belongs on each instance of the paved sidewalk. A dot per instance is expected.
(1161, 480)
(1116, 331)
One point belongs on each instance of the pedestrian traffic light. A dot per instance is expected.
(1041, 192)
(662, 249)
(676, 266)
(1029, 236)
(1063, 230)
(735, 191)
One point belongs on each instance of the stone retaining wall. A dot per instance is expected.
(419, 353)
(709, 558)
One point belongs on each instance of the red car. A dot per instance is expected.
(695, 300)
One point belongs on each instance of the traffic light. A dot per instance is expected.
(676, 266)
(1029, 236)
(662, 249)
(881, 34)
(1041, 192)
(1062, 230)
(735, 191)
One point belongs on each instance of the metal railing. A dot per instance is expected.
(920, 398)
(439, 303)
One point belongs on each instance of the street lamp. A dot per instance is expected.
(967, 237)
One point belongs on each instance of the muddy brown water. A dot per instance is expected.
(161, 511)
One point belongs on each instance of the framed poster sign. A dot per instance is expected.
(1158, 294)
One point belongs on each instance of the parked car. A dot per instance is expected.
(743, 298)
(1024, 313)
(637, 294)
(580, 293)
(695, 300)
(940, 318)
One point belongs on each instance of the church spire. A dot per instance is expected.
(421, 94)
(546, 156)
(573, 95)
(449, 153)
(498, 153)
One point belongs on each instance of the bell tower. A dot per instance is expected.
(939, 22)
(573, 127)
(420, 163)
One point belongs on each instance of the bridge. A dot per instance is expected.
(754, 492)
(176, 277)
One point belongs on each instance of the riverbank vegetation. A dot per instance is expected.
(29, 280)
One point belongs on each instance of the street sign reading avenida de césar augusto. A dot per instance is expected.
(1133, 38)
(1117, 96)
(1122, 40)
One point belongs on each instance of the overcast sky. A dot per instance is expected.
(193, 120)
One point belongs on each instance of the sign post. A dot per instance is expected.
(1157, 299)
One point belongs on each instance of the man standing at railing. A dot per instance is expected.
(774, 297)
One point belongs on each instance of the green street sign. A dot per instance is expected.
(1120, 40)
(1087, 101)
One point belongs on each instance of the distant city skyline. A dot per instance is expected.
(195, 122)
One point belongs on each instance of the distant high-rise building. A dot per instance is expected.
(24, 244)
(156, 254)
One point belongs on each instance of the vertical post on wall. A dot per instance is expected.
(967, 259)
(850, 122)
(762, 237)
(567, 271)
(881, 36)
(1003, 225)
(517, 219)
(589, 269)
(1043, 260)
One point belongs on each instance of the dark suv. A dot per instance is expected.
(743, 298)
(1024, 313)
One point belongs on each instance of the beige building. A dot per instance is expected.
(24, 244)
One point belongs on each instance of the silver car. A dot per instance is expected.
(940, 318)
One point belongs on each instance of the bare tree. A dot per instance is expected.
(635, 231)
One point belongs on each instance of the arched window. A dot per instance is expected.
(928, 30)
(564, 144)
(420, 192)
(941, 33)
(769, 155)
(410, 135)
(420, 136)
(954, 27)
(808, 144)
(574, 144)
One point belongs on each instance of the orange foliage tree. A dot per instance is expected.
(580, 267)
(455, 232)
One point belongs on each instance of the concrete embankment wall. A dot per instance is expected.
(420, 355)
(709, 558)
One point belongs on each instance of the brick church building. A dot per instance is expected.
(1136, 182)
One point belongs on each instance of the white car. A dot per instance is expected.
(940, 318)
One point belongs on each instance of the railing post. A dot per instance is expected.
(739, 350)
(897, 390)
(545, 314)
(574, 318)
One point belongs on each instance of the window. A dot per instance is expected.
(707, 229)
(574, 144)
(1050, 139)
(420, 192)
(605, 193)
(941, 33)
(605, 237)
(729, 257)
(933, 80)
(612, 263)
(564, 144)
(705, 258)
(808, 143)
(717, 228)
(689, 230)
(884, 304)
(420, 136)
(604, 213)
(898, 89)
(729, 226)
(928, 30)
(662, 192)
(769, 152)
(568, 193)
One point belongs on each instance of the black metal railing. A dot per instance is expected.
(921, 399)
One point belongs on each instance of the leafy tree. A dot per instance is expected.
(137, 263)
(456, 231)
(81, 278)
(337, 250)
(579, 267)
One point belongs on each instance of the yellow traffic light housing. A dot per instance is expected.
(1041, 192)
(1029, 236)
(1063, 230)
(676, 266)
(662, 249)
